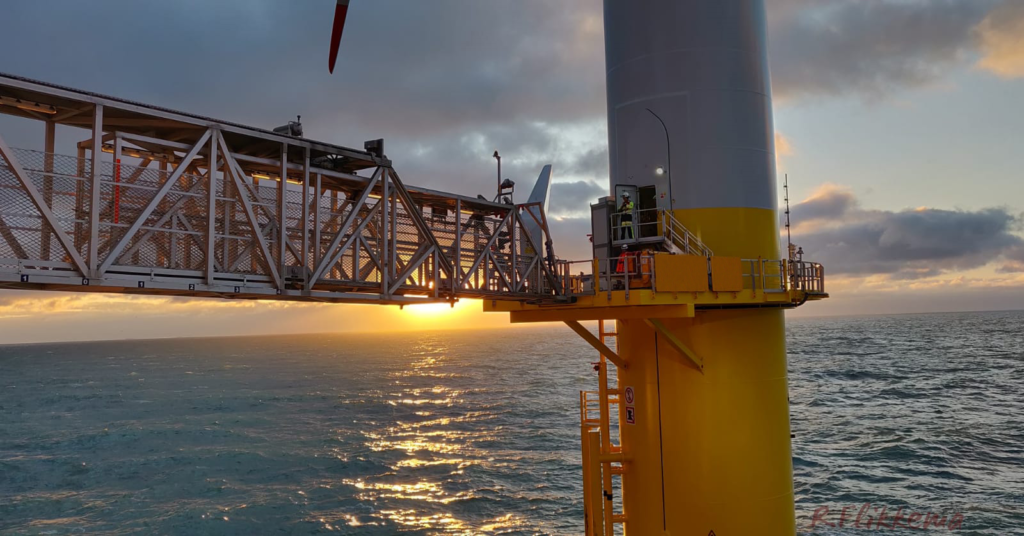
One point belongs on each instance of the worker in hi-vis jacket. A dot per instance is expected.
(626, 218)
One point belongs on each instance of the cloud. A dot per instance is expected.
(783, 147)
(1014, 261)
(902, 245)
(868, 48)
(830, 201)
(447, 82)
(569, 198)
(570, 238)
(29, 305)
(1001, 40)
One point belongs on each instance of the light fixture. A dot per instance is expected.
(109, 149)
(28, 105)
(659, 171)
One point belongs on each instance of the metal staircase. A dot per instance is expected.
(679, 239)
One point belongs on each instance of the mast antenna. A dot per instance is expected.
(789, 235)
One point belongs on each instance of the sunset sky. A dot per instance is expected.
(899, 122)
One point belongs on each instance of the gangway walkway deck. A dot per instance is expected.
(163, 202)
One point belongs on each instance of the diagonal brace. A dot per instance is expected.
(413, 211)
(12, 241)
(160, 194)
(349, 241)
(494, 238)
(674, 341)
(357, 207)
(41, 206)
(241, 188)
(160, 223)
(417, 259)
(598, 344)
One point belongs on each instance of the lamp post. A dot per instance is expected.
(668, 143)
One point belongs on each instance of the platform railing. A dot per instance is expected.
(768, 275)
(642, 226)
(635, 227)
(807, 276)
(635, 270)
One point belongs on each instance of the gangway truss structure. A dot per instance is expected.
(163, 202)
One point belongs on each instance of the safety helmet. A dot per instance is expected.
(625, 194)
(625, 247)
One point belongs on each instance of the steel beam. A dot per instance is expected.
(157, 198)
(96, 189)
(41, 206)
(156, 227)
(348, 242)
(598, 344)
(48, 148)
(329, 257)
(499, 271)
(316, 225)
(417, 217)
(282, 211)
(417, 259)
(210, 242)
(684, 350)
(8, 236)
(237, 175)
(304, 259)
(487, 246)
(187, 119)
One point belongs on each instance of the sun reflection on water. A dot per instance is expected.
(435, 434)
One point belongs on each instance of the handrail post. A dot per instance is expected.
(625, 270)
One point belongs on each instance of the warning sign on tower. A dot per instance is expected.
(630, 396)
(630, 415)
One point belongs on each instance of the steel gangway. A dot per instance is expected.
(164, 202)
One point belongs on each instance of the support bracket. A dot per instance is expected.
(598, 344)
(684, 350)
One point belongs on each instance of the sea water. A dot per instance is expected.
(477, 432)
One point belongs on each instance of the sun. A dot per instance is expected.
(436, 311)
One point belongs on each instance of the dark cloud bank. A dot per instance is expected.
(908, 244)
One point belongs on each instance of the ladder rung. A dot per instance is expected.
(618, 518)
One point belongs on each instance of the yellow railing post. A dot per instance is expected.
(585, 447)
(594, 468)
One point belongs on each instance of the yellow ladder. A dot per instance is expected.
(602, 459)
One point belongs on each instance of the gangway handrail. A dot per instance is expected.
(682, 237)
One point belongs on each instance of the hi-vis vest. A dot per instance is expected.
(627, 213)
